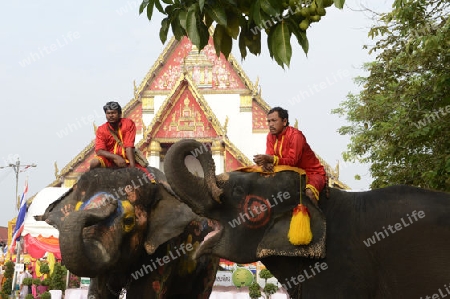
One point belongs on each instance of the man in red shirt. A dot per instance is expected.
(287, 146)
(110, 152)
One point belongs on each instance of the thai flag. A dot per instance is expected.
(20, 217)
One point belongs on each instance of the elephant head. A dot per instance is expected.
(113, 216)
(251, 209)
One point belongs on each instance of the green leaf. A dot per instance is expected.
(233, 25)
(282, 50)
(226, 45)
(143, 6)
(231, 2)
(177, 30)
(299, 34)
(271, 42)
(159, 6)
(267, 7)
(204, 34)
(165, 24)
(217, 13)
(339, 3)
(256, 12)
(167, 1)
(208, 20)
(217, 38)
(201, 4)
(150, 6)
(183, 18)
(191, 26)
(242, 46)
(254, 43)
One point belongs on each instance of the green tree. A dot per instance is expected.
(241, 20)
(254, 290)
(269, 288)
(8, 275)
(400, 121)
(45, 295)
(57, 279)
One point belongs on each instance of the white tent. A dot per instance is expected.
(39, 236)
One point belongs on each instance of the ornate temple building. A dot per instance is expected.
(188, 94)
(192, 94)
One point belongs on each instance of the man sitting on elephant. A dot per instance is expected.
(114, 141)
(287, 145)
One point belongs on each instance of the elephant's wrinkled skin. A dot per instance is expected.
(117, 226)
(409, 230)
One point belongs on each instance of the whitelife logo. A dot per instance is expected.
(395, 228)
(45, 50)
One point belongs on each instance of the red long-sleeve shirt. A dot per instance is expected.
(126, 133)
(291, 148)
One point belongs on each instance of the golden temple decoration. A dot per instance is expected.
(187, 120)
(198, 66)
(56, 169)
(148, 103)
(296, 124)
(225, 125)
(70, 181)
(336, 170)
(154, 147)
(217, 147)
(246, 103)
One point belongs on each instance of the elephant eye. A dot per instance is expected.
(128, 221)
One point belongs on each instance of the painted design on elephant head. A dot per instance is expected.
(188, 262)
(131, 193)
(95, 201)
(101, 199)
(256, 210)
(65, 211)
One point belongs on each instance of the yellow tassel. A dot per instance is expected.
(300, 229)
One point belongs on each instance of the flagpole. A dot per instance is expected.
(16, 168)
(15, 271)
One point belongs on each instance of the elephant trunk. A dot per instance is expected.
(84, 257)
(199, 193)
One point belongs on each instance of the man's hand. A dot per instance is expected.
(262, 159)
(267, 167)
(119, 161)
(265, 161)
(129, 151)
(310, 194)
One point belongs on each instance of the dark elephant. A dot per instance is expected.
(386, 243)
(117, 226)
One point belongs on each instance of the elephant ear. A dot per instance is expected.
(276, 243)
(168, 219)
(57, 211)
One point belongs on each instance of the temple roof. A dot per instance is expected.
(182, 75)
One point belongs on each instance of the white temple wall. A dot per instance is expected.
(239, 129)
(148, 117)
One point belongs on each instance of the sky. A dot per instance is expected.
(62, 60)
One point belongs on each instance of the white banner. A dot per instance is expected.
(223, 278)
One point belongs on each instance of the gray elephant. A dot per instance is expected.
(117, 226)
(386, 243)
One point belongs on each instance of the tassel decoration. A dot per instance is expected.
(300, 228)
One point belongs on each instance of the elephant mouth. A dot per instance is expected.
(210, 240)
